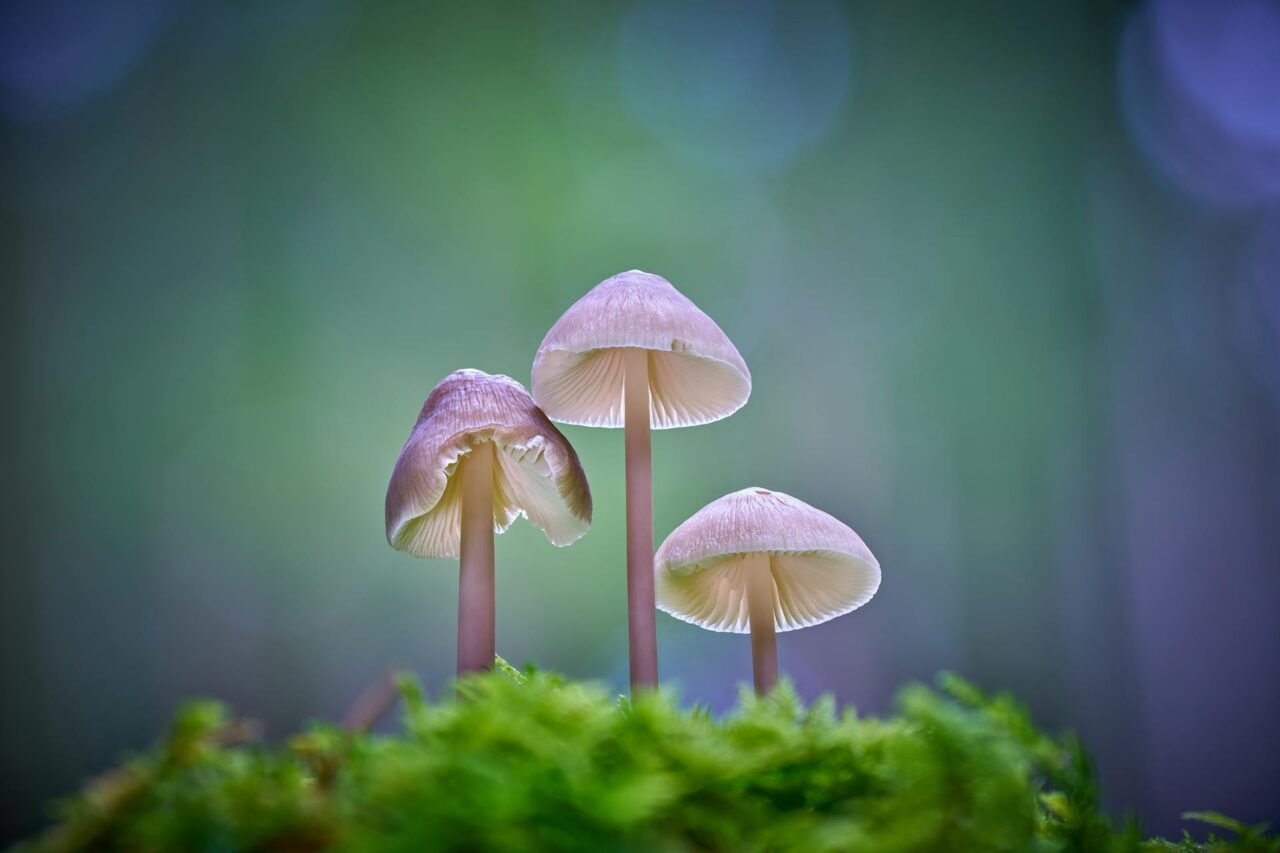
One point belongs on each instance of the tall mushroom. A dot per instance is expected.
(481, 454)
(759, 561)
(635, 331)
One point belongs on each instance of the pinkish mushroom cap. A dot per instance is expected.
(821, 569)
(537, 473)
(695, 373)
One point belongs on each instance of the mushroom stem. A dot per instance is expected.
(764, 638)
(373, 703)
(476, 644)
(642, 628)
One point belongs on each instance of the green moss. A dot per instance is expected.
(529, 761)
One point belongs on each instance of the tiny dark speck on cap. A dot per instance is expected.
(763, 492)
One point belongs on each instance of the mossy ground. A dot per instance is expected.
(530, 761)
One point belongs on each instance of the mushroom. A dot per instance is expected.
(481, 454)
(759, 561)
(636, 331)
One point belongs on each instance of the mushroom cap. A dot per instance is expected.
(536, 471)
(696, 375)
(821, 569)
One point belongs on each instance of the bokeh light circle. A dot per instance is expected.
(1198, 90)
(739, 85)
(57, 55)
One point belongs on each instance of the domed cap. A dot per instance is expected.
(695, 373)
(537, 473)
(821, 569)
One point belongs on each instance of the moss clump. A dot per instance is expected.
(533, 762)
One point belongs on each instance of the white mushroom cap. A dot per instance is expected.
(695, 373)
(536, 474)
(821, 569)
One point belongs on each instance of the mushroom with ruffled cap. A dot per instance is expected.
(480, 454)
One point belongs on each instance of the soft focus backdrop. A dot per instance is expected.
(1007, 276)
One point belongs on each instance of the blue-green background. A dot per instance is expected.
(987, 329)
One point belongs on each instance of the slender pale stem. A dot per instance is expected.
(476, 645)
(642, 629)
(764, 638)
(373, 703)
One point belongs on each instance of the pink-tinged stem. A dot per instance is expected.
(764, 637)
(373, 703)
(640, 607)
(476, 644)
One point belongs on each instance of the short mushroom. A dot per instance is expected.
(636, 331)
(481, 454)
(760, 561)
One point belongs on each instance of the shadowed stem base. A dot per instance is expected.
(476, 642)
(764, 638)
(642, 629)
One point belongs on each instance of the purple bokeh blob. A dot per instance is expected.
(57, 55)
(1198, 86)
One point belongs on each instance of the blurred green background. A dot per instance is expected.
(993, 323)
